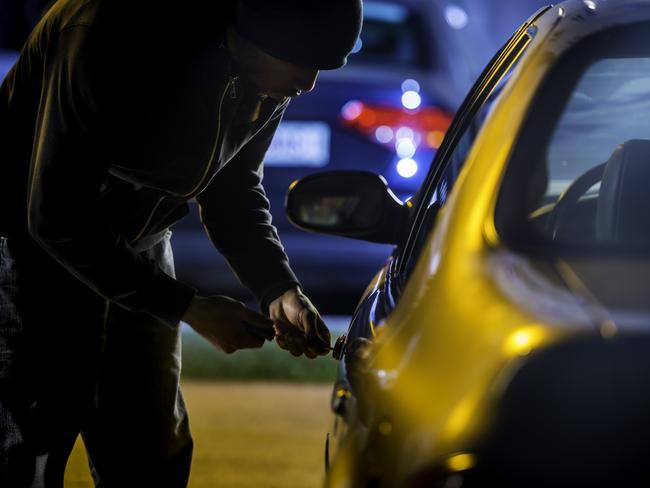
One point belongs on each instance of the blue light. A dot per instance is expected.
(405, 148)
(384, 134)
(405, 133)
(351, 110)
(410, 85)
(386, 12)
(407, 167)
(456, 17)
(411, 99)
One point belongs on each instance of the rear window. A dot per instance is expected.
(391, 36)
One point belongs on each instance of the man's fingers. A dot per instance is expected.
(294, 346)
(309, 319)
(310, 354)
(257, 319)
(290, 338)
(249, 338)
(301, 330)
(314, 327)
(263, 333)
(279, 340)
(322, 330)
(306, 319)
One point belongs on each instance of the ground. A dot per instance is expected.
(248, 434)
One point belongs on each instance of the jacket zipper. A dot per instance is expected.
(230, 87)
(210, 165)
(146, 224)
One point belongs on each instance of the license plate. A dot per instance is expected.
(300, 144)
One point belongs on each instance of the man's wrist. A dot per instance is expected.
(190, 312)
(275, 292)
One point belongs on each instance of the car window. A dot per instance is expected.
(444, 171)
(581, 170)
(392, 36)
(610, 105)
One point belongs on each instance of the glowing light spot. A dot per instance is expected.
(410, 85)
(435, 262)
(343, 393)
(352, 110)
(521, 341)
(461, 462)
(460, 417)
(405, 148)
(405, 133)
(411, 99)
(407, 167)
(608, 329)
(367, 119)
(590, 4)
(384, 134)
(385, 428)
(434, 138)
(456, 17)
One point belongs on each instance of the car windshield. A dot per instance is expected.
(391, 36)
(579, 179)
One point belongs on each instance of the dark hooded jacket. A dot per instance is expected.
(117, 114)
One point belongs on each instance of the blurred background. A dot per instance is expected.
(260, 417)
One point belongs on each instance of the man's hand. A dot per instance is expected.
(298, 326)
(228, 324)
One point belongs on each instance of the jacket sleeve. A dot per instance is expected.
(236, 215)
(66, 173)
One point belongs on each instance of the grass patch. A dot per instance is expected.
(202, 361)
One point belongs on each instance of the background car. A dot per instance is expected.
(505, 342)
(387, 112)
(7, 59)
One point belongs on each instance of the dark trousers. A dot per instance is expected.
(72, 363)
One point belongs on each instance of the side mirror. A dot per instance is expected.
(356, 204)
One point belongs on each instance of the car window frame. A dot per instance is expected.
(480, 93)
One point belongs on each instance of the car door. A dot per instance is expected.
(350, 403)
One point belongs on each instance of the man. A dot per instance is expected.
(116, 114)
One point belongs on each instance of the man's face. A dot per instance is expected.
(271, 76)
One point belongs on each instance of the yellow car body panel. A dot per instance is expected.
(471, 336)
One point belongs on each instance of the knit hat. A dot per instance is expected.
(317, 34)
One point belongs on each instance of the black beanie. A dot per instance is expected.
(315, 34)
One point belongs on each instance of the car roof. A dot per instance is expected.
(578, 19)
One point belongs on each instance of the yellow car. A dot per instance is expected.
(505, 342)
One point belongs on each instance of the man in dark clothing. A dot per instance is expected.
(116, 114)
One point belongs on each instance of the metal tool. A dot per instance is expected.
(339, 347)
(338, 350)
